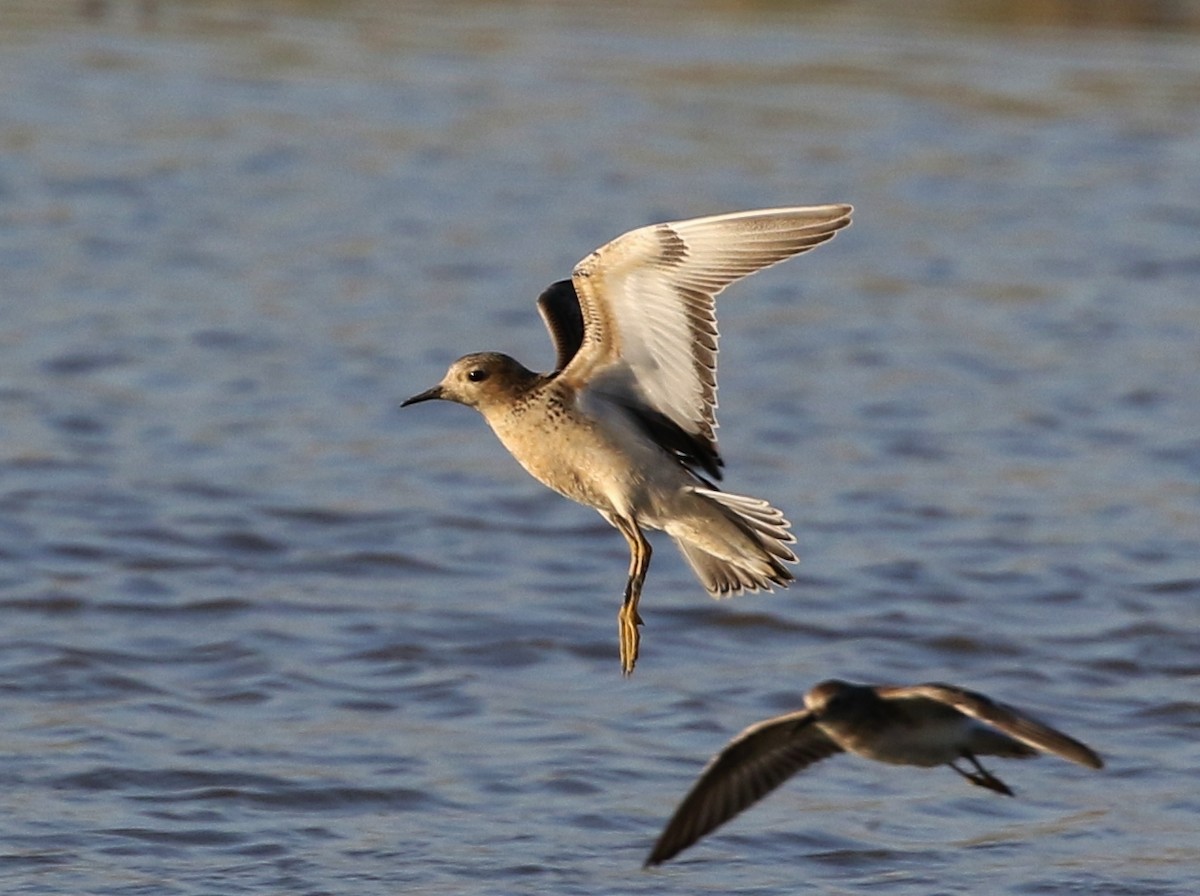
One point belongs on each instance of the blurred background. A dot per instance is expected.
(261, 632)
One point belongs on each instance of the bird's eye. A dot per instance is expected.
(477, 375)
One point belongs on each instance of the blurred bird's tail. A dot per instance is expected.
(734, 543)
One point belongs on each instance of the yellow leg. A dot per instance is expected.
(628, 619)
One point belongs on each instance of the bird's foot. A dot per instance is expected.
(628, 636)
(981, 777)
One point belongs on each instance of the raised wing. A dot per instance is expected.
(647, 302)
(753, 764)
(1004, 718)
(559, 307)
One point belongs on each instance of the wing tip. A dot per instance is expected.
(1085, 756)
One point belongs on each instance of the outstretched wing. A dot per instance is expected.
(647, 303)
(752, 765)
(1004, 718)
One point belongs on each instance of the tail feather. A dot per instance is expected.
(736, 544)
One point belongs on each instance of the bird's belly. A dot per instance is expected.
(580, 464)
(927, 744)
(577, 481)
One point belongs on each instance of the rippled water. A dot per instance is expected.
(263, 633)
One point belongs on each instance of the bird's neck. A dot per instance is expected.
(524, 392)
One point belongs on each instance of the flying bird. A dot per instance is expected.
(626, 421)
(923, 725)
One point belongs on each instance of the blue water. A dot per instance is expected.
(264, 633)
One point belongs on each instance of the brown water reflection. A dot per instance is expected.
(1171, 16)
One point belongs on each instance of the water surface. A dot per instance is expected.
(264, 633)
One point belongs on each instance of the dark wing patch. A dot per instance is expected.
(674, 249)
(559, 307)
(691, 450)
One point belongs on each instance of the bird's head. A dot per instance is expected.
(821, 696)
(484, 381)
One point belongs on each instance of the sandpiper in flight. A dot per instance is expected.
(923, 725)
(626, 421)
